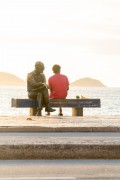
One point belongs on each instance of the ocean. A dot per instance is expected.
(110, 101)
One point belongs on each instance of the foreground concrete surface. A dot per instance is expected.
(60, 170)
(60, 145)
(52, 146)
(59, 124)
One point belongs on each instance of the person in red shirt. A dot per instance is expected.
(58, 85)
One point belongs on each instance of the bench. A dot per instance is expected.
(77, 105)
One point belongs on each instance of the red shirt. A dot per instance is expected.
(59, 86)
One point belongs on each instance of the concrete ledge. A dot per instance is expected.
(59, 151)
(58, 129)
(59, 146)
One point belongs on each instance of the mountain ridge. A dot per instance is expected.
(7, 79)
(87, 82)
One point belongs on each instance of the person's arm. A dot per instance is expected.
(44, 81)
(49, 84)
(32, 81)
(67, 81)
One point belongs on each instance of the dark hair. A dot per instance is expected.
(56, 68)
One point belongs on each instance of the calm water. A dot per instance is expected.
(110, 100)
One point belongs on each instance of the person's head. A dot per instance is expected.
(39, 67)
(56, 68)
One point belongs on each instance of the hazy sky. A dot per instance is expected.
(83, 36)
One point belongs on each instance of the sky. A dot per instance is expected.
(82, 36)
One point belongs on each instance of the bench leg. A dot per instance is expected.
(77, 111)
(32, 111)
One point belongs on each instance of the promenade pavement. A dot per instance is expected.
(103, 144)
(60, 124)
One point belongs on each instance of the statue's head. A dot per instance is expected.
(39, 67)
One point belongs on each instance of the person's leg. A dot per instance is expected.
(38, 97)
(40, 103)
(32, 95)
(46, 101)
(60, 112)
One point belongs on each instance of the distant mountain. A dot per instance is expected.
(8, 79)
(87, 82)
